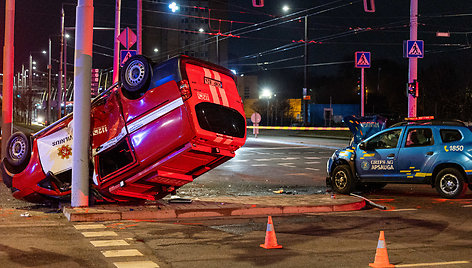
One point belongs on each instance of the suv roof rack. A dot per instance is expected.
(431, 122)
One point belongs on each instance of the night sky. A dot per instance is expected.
(338, 27)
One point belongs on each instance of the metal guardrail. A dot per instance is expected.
(298, 128)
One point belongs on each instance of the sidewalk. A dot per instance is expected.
(221, 206)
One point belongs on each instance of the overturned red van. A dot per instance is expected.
(160, 128)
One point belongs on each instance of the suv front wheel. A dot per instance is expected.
(342, 180)
(450, 183)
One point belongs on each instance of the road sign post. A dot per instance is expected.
(362, 61)
(256, 119)
(413, 61)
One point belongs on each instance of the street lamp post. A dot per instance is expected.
(266, 94)
(59, 81)
(48, 100)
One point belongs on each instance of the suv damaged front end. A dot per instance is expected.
(361, 128)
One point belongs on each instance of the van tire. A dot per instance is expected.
(136, 75)
(18, 152)
(450, 183)
(342, 180)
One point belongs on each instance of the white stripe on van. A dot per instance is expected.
(214, 93)
(141, 122)
(224, 98)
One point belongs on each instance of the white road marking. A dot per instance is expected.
(431, 264)
(311, 163)
(134, 264)
(299, 174)
(314, 169)
(121, 253)
(280, 148)
(259, 165)
(89, 226)
(239, 160)
(286, 164)
(98, 234)
(312, 157)
(404, 209)
(276, 158)
(109, 243)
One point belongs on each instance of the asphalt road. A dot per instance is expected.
(421, 229)
(264, 164)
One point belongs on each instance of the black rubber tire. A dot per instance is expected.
(342, 180)
(450, 183)
(136, 75)
(18, 151)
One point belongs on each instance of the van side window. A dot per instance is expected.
(450, 135)
(419, 137)
(114, 159)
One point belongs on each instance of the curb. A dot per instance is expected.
(202, 209)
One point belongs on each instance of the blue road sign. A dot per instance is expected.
(362, 59)
(125, 55)
(413, 49)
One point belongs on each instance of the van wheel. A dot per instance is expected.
(450, 183)
(342, 179)
(136, 75)
(18, 151)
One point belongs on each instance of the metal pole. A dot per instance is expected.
(8, 60)
(305, 70)
(48, 100)
(217, 49)
(140, 26)
(362, 91)
(30, 88)
(82, 95)
(65, 77)
(413, 62)
(59, 81)
(116, 58)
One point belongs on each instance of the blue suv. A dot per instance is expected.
(427, 151)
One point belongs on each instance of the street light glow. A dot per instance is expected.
(174, 7)
(266, 93)
(201, 30)
(156, 50)
(67, 35)
(44, 52)
(285, 8)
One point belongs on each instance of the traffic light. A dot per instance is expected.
(413, 88)
(358, 86)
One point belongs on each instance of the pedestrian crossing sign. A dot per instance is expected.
(362, 59)
(125, 55)
(413, 49)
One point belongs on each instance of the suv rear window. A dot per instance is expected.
(450, 135)
(220, 119)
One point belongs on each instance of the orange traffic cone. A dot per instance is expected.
(270, 239)
(381, 255)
